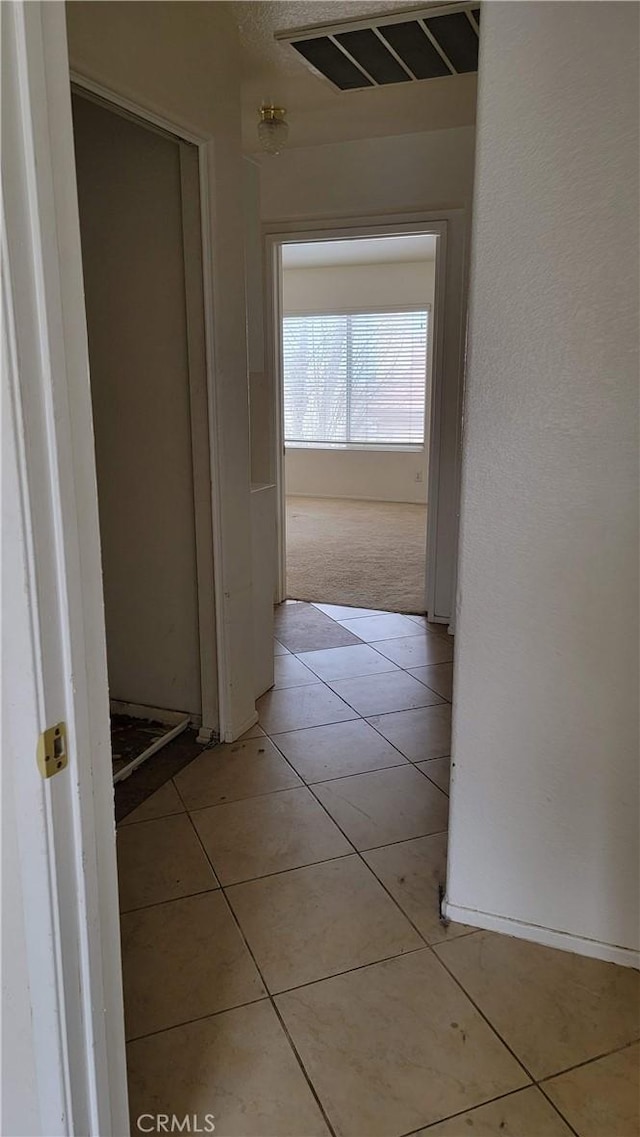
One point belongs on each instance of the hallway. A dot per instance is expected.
(285, 968)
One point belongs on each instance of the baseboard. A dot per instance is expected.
(579, 945)
(233, 732)
(207, 735)
(356, 497)
(160, 714)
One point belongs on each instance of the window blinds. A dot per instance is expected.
(355, 378)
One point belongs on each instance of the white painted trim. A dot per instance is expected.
(136, 110)
(67, 822)
(549, 937)
(150, 750)
(435, 425)
(199, 433)
(178, 129)
(273, 356)
(277, 234)
(233, 735)
(357, 497)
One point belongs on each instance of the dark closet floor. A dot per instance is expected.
(129, 737)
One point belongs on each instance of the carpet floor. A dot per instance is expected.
(367, 554)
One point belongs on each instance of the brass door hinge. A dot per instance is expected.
(52, 750)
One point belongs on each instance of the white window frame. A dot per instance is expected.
(367, 310)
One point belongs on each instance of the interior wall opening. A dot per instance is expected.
(356, 389)
(139, 204)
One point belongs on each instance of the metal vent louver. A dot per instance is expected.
(423, 44)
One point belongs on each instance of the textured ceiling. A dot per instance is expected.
(317, 113)
(259, 21)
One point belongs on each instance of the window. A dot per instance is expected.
(355, 378)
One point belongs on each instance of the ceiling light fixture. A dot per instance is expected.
(273, 129)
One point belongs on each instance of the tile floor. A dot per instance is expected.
(284, 965)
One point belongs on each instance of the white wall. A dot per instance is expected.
(544, 823)
(412, 173)
(382, 475)
(404, 172)
(182, 60)
(368, 475)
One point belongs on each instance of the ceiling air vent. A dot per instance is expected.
(423, 44)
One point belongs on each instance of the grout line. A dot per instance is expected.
(124, 824)
(355, 774)
(557, 1109)
(197, 1019)
(292, 868)
(171, 899)
(271, 999)
(333, 722)
(334, 857)
(433, 783)
(302, 785)
(424, 945)
(303, 1068)
(398, 710)
(493, 1029)
(359, 853)
(358, 718)
(461, 1113)
(350, 970)
(587, 1061)
(250, 797)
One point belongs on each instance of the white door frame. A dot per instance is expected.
(64, 881)
(205, 450)
(286, 233)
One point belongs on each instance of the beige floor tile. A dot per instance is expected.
(234, 771)
(412, 871)
(335, 751)
(601, 1099)
(237, 1066)
(317, 921)
(393, 1047)
(247, 839)
(438, 770)
(553, 1008)
(290, 672)
(421, 734)
(162, 803)
(344, 612)
(297, 707)
(526, 1113)
(389, 625)
(437, 676)
(183, 960)
(417, 651)
(280, 649)
(345, 662)
(301, 627)
(378, 694)
(160, 860)
(431, 626)
(384, 806)
(254, 731)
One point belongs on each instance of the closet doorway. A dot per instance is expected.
(139, 203)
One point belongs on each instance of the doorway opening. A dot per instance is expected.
(139, 204)
(357, 341)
